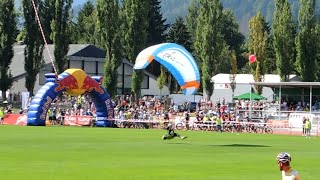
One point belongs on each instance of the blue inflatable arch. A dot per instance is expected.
(41, 102)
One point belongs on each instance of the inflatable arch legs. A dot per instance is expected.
(74, 81)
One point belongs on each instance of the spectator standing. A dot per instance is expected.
(308, 128)
(1, 115)
(303, 126)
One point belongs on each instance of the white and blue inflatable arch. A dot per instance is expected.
(37, 111)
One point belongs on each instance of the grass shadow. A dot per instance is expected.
(180, 143)
(242, 145)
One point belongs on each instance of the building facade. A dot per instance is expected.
(222, 86)
(87, 57)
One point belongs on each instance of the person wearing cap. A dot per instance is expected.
(284, 160)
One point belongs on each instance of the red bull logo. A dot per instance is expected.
(68, 82)
(90, 84)
(78, 82)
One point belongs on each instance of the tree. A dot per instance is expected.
(233, 72)
(306, 42)
(156, 31)
(193, 12)
(8, 27)
(270, 64)
(60, 35)
(191, 22)
(233, 37)
(230, 31)
(209, 41)
(284, 39)
(257, 44)
(161, 80)
(33, 51)
(157, 27)
(108, 37)
(85, 24)
(136, 25)
(47, 13)
(178, 33)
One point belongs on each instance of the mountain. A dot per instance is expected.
(243, 9)
(75, 3)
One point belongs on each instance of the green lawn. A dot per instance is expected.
(73, 153)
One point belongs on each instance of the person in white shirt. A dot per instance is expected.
(288, 173)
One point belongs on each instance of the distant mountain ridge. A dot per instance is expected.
(74, 4)
(243, 9)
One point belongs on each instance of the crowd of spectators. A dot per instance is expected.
(155, 108)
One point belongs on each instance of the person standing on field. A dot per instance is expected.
(1, 115)
(303, 126)
(308, 128)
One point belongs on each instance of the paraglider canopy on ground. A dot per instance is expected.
(177, 60)
(246, 96)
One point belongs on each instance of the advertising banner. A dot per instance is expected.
(15, 119)
(77, 120)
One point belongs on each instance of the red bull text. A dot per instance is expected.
(45, 108)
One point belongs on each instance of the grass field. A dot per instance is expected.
(73, 153)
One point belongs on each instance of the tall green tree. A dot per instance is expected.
(209, 42)
(108, 36)
(233, 37)
(191, 20)
(85, 24)
(33, 51)
(47, 13)
(161, 80)
(60, 35)
(233, 72)
(257, 45)
(157, 26)
(178, 33)
(136, 25)
(306, 42)
(156, 31)
(8, 27)
(230, 31)
(270, 64)
(317, 36)
(284, 39)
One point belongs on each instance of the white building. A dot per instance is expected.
(83, 56)
(222, 87)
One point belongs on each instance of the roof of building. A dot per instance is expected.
(248, 78)
(314, 85)
(17, 64)
(75, 50)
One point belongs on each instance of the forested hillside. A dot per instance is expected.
(243, 9)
